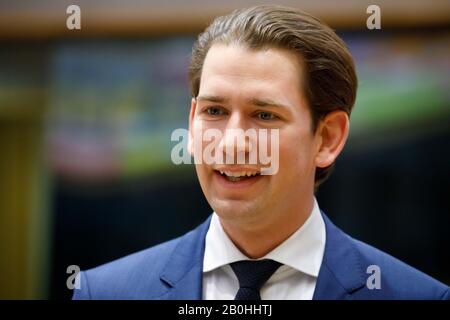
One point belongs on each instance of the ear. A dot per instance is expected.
(191, 128)
(332, 133)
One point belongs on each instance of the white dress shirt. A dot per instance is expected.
(301, 255)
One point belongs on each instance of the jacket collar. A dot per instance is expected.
(183, 272)
(340, 274)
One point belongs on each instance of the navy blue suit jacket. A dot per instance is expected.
(173, 270)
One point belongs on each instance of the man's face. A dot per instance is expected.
(255, 89)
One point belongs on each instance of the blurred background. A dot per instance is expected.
(86, 117)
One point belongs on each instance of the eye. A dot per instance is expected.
(214, 111)
(266, 116)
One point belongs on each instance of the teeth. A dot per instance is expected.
(239, 174)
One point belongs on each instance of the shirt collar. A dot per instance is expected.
(302, 251)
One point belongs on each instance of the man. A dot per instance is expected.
(271, 68)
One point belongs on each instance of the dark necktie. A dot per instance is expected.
(252, 275)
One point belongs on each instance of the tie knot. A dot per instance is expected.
(252, 274)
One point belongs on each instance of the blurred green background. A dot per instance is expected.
(86, 117)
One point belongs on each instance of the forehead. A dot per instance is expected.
(236, 70)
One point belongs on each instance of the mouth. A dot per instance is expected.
(237, 176)
(240, 179)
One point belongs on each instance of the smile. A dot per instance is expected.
(238, 176)
(235, 176)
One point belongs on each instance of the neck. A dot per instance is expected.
(258, 237)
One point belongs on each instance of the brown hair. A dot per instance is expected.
(329, 76)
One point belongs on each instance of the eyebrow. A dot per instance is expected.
(266, 103)
(209, 98)
(254, 101)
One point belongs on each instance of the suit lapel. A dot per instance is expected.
(341, 273)
(183, 273)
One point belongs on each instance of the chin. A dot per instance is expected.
(228, 209)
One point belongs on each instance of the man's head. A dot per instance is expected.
(272, 67)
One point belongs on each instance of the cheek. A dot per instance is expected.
(207, 143)
(296, 153)
(204, 177)
(202, 172)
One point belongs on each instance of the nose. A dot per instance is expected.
(235, 141)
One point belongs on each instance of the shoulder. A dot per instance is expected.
(356, 270)
(147, 274)
(131, 277)
(397, 279)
